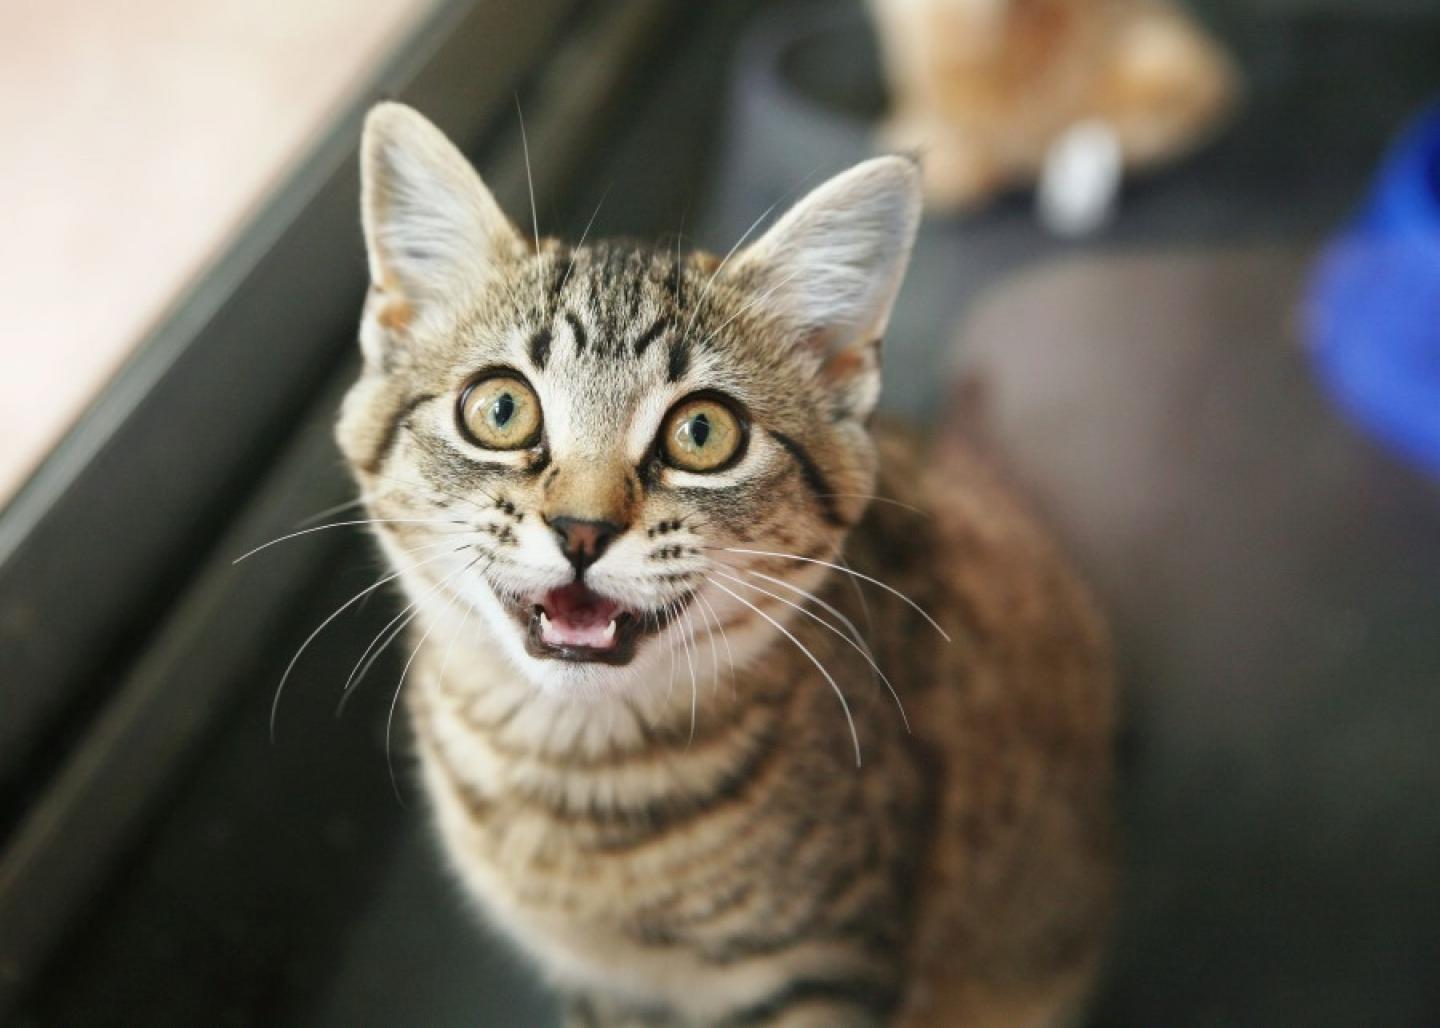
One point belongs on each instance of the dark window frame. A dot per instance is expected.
(119, 604)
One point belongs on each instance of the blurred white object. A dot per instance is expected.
(1080, 179)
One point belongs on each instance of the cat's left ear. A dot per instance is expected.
(832, 266)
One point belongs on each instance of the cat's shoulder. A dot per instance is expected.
(951, 522)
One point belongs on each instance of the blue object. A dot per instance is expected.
(1374, 302)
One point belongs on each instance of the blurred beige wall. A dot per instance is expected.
(134, 135)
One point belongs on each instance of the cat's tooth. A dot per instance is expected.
(610, 630)
(544, 621)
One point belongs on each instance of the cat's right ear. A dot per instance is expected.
(432, 229)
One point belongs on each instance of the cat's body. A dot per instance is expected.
(968, 856)
(668, 815)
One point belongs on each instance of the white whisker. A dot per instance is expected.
(828, 607)
(854, 735)
(756, 300)
(400, 685)
(389, 633)
(425, 486)
(459, 632)
(669, 624)
(721, 266)
(275, 703)
(449, 540)
(878, 499)
(740, 242)
(530, 182)
(571, 265)
(859, 594)
(849, 571)
(331, 511)
(862, 650)
(694, 686)
(679, 237)
(344, 524)
(390, 716)
(729, 653)
(407, 614)
(714, 650)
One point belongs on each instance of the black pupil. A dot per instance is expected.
(699, 429)
(504, 409)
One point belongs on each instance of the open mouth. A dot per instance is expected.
(576, 623)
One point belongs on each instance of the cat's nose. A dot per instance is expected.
(583, 541)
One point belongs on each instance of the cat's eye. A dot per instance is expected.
(703, 433)
(500, 412)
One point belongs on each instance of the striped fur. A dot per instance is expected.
(685, 838)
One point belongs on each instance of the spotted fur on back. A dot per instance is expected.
(795, 802)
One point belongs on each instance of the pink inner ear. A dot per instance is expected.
(395, 315)
(852, 361)
(853, 375)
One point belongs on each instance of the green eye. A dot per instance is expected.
(500, 412)
(701, 434)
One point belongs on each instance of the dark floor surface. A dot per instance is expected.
(286, 884)
(1271, 577)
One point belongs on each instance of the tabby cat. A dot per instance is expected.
(715, 736)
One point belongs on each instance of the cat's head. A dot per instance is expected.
(589, 449)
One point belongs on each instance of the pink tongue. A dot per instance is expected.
(576, 616)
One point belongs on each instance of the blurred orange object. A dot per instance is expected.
(982, 89)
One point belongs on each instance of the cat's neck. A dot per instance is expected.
(679, 700)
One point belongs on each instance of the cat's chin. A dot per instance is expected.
(574, 678)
